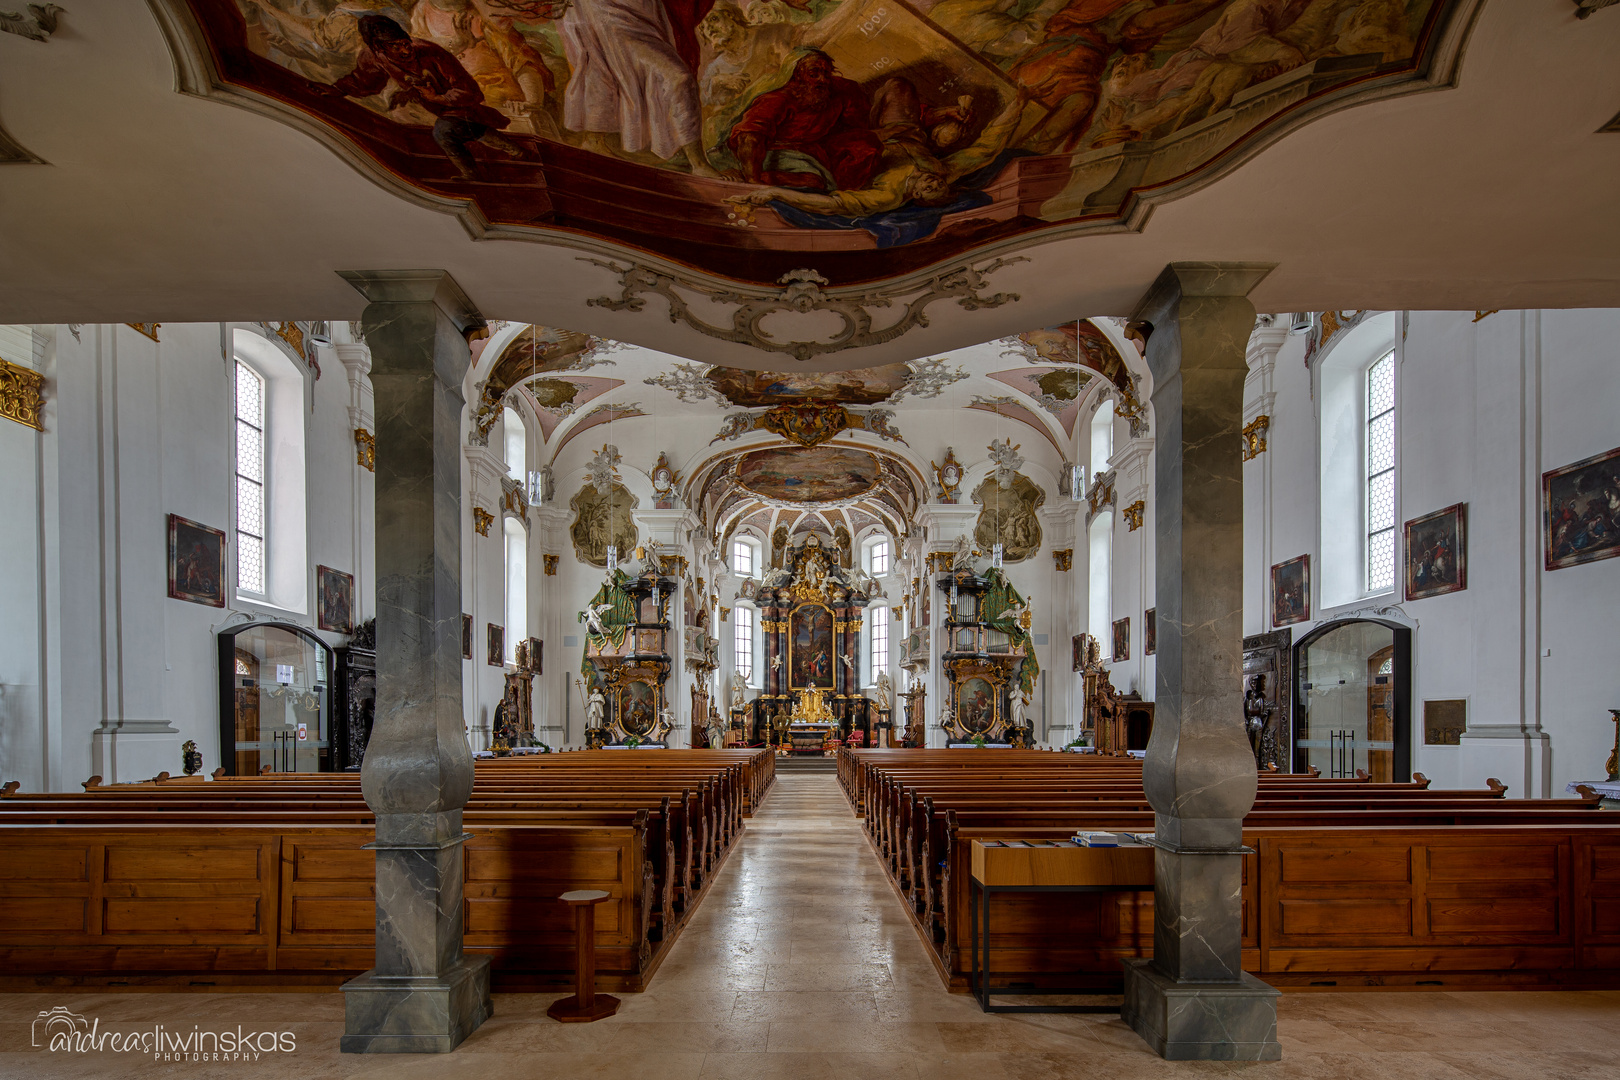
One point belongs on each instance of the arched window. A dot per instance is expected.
(1359, 459)
(270, 512)
(517, 586)
(1102, 437)
(1100, 578)
(878, 619)
(742, 642)
(517, 445)
(1100, 537)
(879, 556)
(745, 557)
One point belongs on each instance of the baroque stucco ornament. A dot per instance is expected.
(37, 24)
(802, 292)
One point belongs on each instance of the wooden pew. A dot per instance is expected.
(291, 902)
(1478, 910)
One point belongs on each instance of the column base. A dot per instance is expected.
(420, 1014)
(1201, 1021)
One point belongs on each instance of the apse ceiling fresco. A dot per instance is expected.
(867, 138)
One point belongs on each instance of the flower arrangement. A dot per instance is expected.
(632, 741)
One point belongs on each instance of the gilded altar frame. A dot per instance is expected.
(967, 710)
(636, 696)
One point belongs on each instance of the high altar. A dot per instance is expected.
(811, 618)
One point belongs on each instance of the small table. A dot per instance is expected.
(1045, 866)
(585, 1004)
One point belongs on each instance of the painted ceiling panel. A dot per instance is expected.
(878, 135)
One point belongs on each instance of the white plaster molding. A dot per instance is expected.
(487, 468)
(356, 361)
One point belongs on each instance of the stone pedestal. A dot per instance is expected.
(1193, 1000)
(424, 995)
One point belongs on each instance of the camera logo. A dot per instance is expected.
(58, 1021)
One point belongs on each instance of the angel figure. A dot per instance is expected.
(592, 618)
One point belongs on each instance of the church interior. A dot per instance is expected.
(810, 538)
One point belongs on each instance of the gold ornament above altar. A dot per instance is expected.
(812, 707)
(810, 581)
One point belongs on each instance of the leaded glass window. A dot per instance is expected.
(743, 641)
(250, 515)
(1381, 475)
(880, 640)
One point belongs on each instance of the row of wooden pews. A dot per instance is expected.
(264, 881)
(1351, 883)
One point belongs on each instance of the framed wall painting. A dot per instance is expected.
(810, 648)
(334, 600)
(196, 562)
(496, 656)
(1437, 553)
(466, 636)
(1580, 511)
(1291, 591)
(1150, 631)
(1079, 651)
(1122, 639)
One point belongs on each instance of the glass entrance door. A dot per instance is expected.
(279, 701)
(1351, 707)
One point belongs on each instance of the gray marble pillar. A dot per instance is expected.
(1193, 1000)
(424, 995)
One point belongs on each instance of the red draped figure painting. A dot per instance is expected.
(814, 133)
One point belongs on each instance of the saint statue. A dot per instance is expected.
(1257, 710)
(595, 707)
(885, 690)
(739, 691)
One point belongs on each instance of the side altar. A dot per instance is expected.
(988, 660)
(625, 669)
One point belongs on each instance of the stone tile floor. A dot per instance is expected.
(801, 965)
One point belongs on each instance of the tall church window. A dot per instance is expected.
(517, 445)
(250, 515)
(879, 618)
(879, 556)
(517, 586)
(742, 558)
(1357, 380)
(1100, 537)
(742, 642)
(1380, 489)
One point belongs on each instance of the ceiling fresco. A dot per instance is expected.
(869, 138)
(816, 475)
(862, 386)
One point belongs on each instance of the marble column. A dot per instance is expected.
(1193, 1000)
(424, 995)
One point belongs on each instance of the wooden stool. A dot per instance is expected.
(585, 1005)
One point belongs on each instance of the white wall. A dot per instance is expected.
(102, 672)
(1484, 407)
